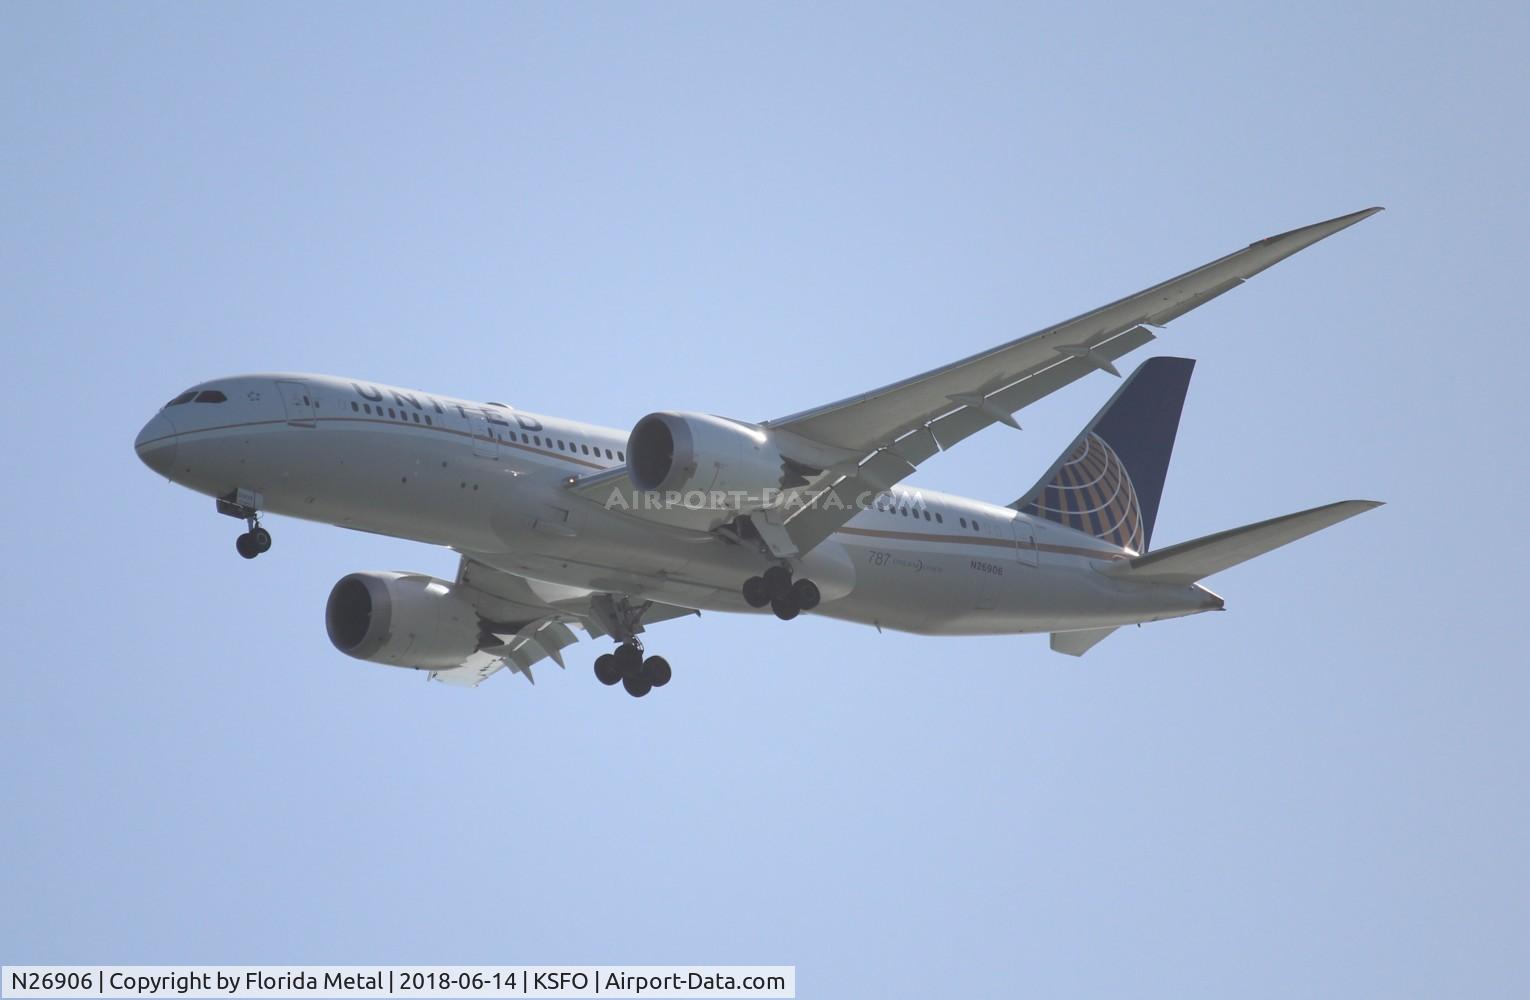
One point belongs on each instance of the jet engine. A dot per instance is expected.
(734, 463)
(403, 620)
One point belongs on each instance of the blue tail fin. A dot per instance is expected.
(1108, 483)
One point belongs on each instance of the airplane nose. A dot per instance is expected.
(156, 444)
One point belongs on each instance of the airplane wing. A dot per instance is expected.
(899, 426)
(531, 621)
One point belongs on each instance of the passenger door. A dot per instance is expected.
(485, 445)
(1025, 541)
(298, 401)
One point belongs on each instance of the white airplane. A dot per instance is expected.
(560, 523)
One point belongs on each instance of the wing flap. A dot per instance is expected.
(526, 621)
(833, 508)
(962, 424)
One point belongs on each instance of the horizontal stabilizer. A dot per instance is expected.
(1080, 642)
(1194, 560)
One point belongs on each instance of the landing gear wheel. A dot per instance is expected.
(656, 671)
(607, 671)
(637, 686)
(805, 594)
(246, 546)
(260, 539)
(629, 660)
(778, 582)
(785, 609)
(755, 593)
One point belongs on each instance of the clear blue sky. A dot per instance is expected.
(604, 210)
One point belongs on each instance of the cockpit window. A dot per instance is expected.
(211, 396)
(184, 397)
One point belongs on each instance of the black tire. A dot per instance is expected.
(805, 594)
(755, 594)
(629, 660)
(261, 539)
(778, 582)
(246, 546)
(637, 686)
(606, 669)
(656, 671)
(785, 609)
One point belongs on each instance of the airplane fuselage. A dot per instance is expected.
(491, 482)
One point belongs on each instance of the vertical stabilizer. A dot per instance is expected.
(1109, 481)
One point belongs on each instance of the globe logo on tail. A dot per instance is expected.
(1092, 492)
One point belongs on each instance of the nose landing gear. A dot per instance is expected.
(253, 542)
(245, 505)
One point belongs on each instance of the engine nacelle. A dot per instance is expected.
(733, 464)
(403, 620)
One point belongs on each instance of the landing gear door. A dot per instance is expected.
(298, 401)
(1025, 541)
(484, 443)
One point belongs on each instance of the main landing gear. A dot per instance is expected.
(787, 597)
(638, 674)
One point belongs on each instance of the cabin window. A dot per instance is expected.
(585, 448)
(538, 440)
(939, 519)
(608, 452)
(214, 396)
(415, 416)
(964, 522)
(620, 457)
(354, 407)
(391, 414)
(427, 418)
